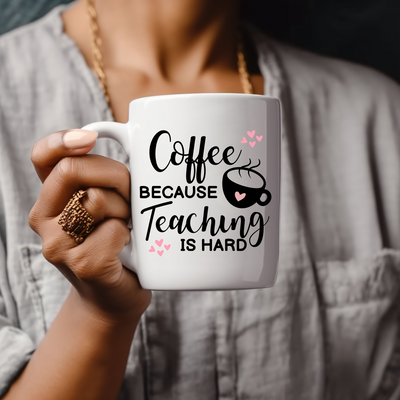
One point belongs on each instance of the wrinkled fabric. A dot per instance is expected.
(328, 329)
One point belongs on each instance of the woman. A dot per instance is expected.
(328, 328)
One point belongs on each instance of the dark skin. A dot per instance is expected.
(151, 47)
(155, 47)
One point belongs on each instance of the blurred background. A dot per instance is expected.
(363, 31)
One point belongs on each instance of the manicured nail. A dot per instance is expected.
(78, 138)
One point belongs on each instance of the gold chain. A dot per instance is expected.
(242, 68)
(98, 65)
(97, 56)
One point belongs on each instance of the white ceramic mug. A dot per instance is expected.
(205, 190)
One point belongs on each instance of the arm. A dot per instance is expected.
(84, 353)
(83, 356)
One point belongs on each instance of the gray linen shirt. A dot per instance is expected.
(328, 329)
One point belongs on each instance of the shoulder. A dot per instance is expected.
(44, 80)
(29, 52)
(26, 37)
(343, 124)
(337, 94)
(44, 86)
(345, 85)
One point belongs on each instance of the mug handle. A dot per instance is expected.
(119, 133)
(267, 200)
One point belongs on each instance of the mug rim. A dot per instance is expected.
(197, 95)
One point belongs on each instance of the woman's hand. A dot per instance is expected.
(84, 353)
(106, 289)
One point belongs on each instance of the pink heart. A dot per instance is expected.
(160, 252)
(252, 144)
(244, 140)
(240, 196)
(251, 134)
(259, 138)
(152, 250)
(166, 247)
(159, 242)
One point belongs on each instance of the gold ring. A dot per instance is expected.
(75, 220)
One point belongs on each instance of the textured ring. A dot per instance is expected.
(75, 220)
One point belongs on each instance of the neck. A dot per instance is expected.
(176, 40)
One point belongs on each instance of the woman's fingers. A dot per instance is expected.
(99, 251)
(48, 151)
(100, 203)
(80, 172)
(99, 256)
(64, 167)
(96, 257)
(105, 203)
(93, 266)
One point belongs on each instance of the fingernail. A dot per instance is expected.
(78, 138)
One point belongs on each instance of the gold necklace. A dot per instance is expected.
(98, 65)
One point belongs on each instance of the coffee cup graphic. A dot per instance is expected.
(243, 187)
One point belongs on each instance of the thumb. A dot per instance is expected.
(47, 152)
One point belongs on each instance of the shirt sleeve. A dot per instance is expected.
(16, 347)
(385, 158)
